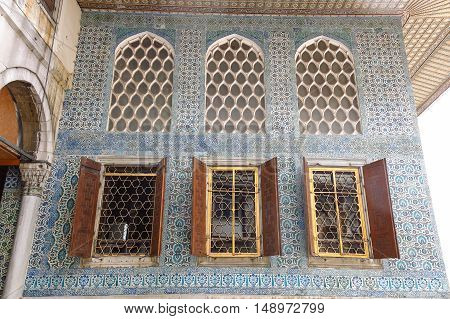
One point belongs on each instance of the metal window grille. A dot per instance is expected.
(338, 222)
(126, 216)
(233, 209)
(326, 88)
(142, 88)
(235, 99)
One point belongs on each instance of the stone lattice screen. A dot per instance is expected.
(141, 96)
(326, 88)
(235, 87)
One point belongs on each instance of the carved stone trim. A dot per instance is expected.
(34, 176)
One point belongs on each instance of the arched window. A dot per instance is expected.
(235, 87)
(326, 88)
(141, 95)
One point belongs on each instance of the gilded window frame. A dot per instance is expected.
(257, 211)
(361, 204)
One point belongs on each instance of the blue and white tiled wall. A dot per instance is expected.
(389, 131)
(9, 213)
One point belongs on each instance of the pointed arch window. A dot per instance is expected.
(326, 88)
(142, 87)
(235, 92)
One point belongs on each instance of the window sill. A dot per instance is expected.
(120, 261)
(336, 262)
(233, 261)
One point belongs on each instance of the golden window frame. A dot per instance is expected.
(257, 203)
(362, 211)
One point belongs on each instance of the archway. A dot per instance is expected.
(33, 112)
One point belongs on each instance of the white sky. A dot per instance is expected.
(434, 124)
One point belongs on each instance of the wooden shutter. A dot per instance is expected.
(270, 212)
(85, 208)
(199, 192)
(308, 209)
(379, 206)
(158, 214)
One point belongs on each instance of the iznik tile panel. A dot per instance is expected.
(388, 130)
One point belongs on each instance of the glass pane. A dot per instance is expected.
(243, 211)
(323, 181)
(351, 225)
(222, 180)
(346, 182)
(327, 229)
(245, 223)
(221, 222)
(244, 181)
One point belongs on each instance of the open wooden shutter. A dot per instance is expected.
(199, 192)
(308, 208)
(85, 208)
(379, 206)
(270, 212)
(155, 249)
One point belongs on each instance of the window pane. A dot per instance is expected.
(327, 229)
(245, 218)
(233, 212)
(221, 222)
(245, 224)
(323, 182)
(126, 217)
(222, 180)
(346, 182)
(338, 212)
(350, 219)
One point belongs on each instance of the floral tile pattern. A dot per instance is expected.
(389, 130)
(9, 213)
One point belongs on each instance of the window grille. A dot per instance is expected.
(235, 87)
(326, 88)
(233, 211)
(126, 217)
(338, 222)
(141, 97)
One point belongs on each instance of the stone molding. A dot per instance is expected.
(34, 176)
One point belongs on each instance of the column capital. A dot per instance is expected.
(34, 176)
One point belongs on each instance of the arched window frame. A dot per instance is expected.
(171, 54)
(261, 107)
(329, 120)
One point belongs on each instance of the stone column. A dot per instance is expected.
(34, 176)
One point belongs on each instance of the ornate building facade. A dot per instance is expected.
(228, 155)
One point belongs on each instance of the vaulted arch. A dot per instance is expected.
(27, 93)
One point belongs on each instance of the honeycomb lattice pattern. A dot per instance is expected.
(233, 213)
(235, 87)
(141, 97)
(326, 88)
(126, 217)
(338, 213)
